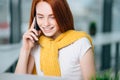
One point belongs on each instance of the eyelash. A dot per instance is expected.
(52, 17)
(40, 17)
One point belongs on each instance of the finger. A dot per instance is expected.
(28, 36)
(35, 32)
(34, 36)
(32, 25)
(31, 38)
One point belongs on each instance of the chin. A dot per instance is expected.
(48, 34)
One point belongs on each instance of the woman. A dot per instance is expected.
(61, 51)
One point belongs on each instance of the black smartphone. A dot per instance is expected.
(36, 25)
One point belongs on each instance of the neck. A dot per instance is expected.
(55, 36)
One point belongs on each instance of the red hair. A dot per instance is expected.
(61, 12)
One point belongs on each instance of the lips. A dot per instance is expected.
(48, 29)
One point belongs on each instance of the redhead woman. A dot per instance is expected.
(56, 49)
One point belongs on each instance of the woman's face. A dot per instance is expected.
(46, 20)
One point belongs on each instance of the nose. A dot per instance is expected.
(46, 22)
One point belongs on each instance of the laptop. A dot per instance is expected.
(11, 76)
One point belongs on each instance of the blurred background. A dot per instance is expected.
(99, 18)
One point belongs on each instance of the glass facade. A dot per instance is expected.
(4, 21)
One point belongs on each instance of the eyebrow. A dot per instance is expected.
(43, 15)
(39, 14)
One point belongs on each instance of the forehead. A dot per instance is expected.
(43, 8)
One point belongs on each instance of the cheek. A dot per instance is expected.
(58, 28)
(39, 22)
(56, 25)
(53, 21)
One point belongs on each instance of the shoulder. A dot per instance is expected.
(83, 45)
(83, 42)
(82, 34)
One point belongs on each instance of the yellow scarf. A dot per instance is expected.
(49, 55)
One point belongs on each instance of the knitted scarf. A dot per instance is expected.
(49, 55)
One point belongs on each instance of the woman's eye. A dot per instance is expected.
(40, 17)
(52, 17)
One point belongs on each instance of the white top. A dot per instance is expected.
(69, 59)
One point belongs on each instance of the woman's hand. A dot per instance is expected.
(30, 37)
(25, 59)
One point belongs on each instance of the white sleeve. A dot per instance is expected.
(84, 46)
(36, 54)
(35, 50)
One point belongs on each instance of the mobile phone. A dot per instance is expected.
(36, 25)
